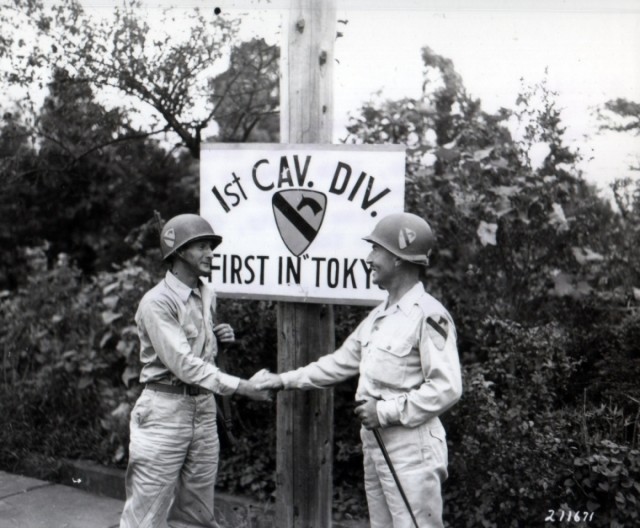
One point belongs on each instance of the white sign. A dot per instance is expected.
(292, 217)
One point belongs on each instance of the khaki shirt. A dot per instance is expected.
(406, 355)
(177, 343)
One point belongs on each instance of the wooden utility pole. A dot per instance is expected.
(305, 331)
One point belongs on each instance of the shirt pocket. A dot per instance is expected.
(388, 360)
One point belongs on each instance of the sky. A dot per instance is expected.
(588, 57)
(589, 50)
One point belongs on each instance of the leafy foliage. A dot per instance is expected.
(81, 177)
(607, 480)
(621, 115)
(169, 71)
(80, 188)
(547, 266)
(247, 94)
(512, 442)
(171, 75)
(70, 348)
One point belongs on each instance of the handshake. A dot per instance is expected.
(261, 386)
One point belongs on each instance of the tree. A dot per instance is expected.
(170, 71)
(16, 154)
(78, 188)
(88, 168)
(505, 226)
(540, 275)
(621, 115)
(247, 95)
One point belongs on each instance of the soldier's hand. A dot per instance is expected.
(224, 333)
(367, 412)
(265, 380)
(248, 389)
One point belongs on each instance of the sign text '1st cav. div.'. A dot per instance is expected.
(292, 217)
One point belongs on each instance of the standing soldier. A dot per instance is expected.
(173, 453)
(406, 355)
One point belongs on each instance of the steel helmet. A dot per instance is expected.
(185, 228)
(405, 235)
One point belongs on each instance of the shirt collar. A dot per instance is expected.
(407, 301)
(180, 288)
(410, 298)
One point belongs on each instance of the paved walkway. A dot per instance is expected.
(30, 503)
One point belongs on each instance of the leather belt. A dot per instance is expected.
(186, 390)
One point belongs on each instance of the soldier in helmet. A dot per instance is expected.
(406, 356)
(173, 452)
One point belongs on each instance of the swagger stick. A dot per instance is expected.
(376, 433)
(387, 458)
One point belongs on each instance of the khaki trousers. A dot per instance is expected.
(173, 462)
(419, 456)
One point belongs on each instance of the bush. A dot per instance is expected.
(509, 433)
(548, 420)
(606, 480)
(69, 364)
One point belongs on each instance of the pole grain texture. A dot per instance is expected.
(305, 330)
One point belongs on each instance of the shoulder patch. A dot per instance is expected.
(438, 330)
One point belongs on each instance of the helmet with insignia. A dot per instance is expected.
(182, 230)
(406, 235)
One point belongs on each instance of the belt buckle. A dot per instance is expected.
(193, 390)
